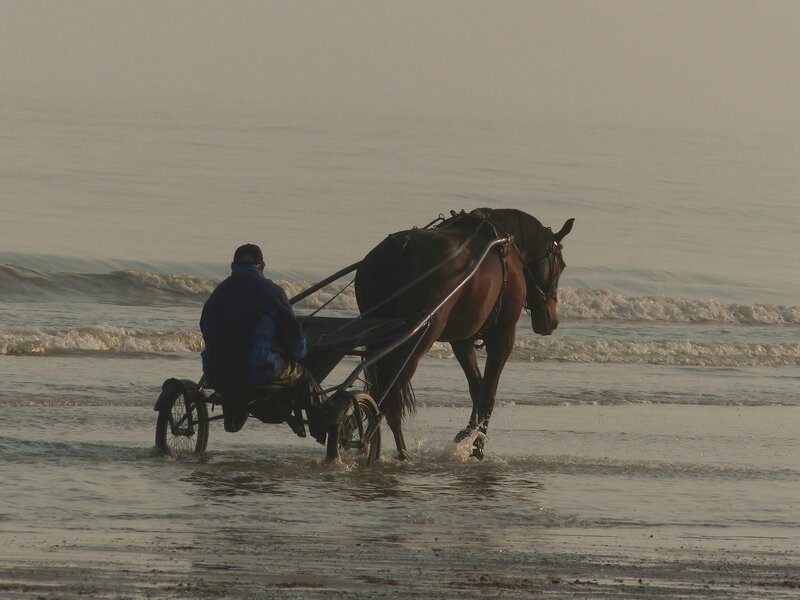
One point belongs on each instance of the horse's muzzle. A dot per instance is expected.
(544, 326)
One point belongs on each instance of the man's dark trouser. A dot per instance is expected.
(274, 401)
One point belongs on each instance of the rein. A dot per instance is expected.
(332, 298)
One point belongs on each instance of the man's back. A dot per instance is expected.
(249, 330)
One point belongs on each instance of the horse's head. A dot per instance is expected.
(541, 278)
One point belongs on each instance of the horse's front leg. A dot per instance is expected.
(499, 345)
(465, 354)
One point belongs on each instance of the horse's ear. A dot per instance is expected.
(564, 230)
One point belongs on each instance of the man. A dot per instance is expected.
(252, 339)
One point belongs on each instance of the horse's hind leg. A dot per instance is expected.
(395, 371)
(465, 354)
(396, 425)
(399, 400)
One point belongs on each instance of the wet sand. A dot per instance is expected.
(272, 561)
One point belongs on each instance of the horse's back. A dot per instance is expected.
(430, 257)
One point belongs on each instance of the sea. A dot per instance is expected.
(654, 436)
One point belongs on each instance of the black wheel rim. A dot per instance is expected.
(350, 442)
(181, 433)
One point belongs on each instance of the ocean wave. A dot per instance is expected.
(650, 352)
(121, 287)
(135, 287)
(606, 305)
(127, 287)
(109, 339)
(341, 297)
(659, 352)
(102, 339)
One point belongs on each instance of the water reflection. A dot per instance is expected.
(367, 485)
(226, 485)
(479, 483)
(287, 487)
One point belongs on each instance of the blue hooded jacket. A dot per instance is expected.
(250, 331)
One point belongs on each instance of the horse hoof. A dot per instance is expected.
(402, 455)
(478, 445)
(462, 435)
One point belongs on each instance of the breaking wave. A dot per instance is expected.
(113, 340)
(606, 305)
(137, 287)
(124, 287)
(652, 352)
(102, 339)
(141, 287)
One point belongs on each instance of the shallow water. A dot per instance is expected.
(653, 437)
(640, 485)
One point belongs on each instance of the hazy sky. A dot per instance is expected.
(684, 61)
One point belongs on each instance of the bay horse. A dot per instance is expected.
(413, 271)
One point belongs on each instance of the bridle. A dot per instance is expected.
(553, 255)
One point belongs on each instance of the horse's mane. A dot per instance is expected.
(531, 237)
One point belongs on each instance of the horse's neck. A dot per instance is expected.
(529, 235)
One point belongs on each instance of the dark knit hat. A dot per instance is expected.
(249, 254)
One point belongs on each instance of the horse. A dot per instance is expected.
(412, 271)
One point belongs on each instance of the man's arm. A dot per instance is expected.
(289, 329)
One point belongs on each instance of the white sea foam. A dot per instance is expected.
(659, 352)
(187, 285)
(107, 339)
(606, 305)
(120, 340)
(340, 296)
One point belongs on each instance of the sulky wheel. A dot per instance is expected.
(354, 431)
(182, 426)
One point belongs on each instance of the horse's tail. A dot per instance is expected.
(390, 386)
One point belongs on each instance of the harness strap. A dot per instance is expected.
(503, 253)
(486, 218)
